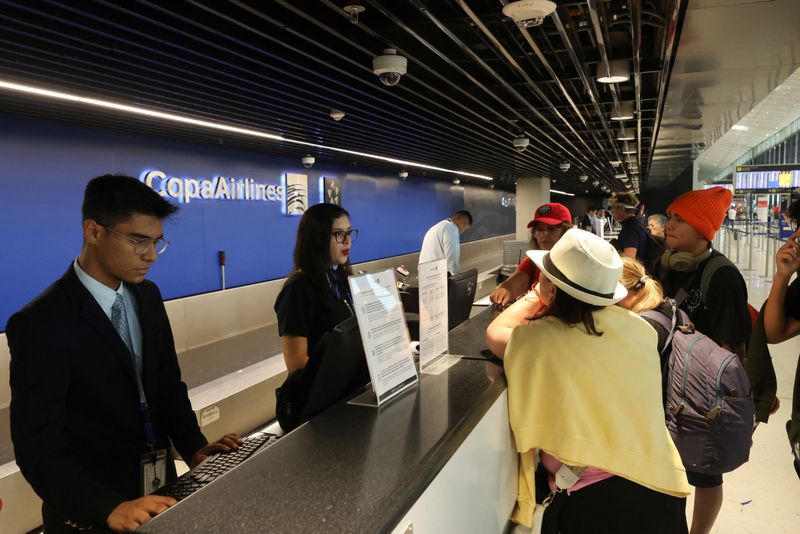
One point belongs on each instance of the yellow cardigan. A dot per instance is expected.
(590, 401)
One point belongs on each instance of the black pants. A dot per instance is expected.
(615, 506)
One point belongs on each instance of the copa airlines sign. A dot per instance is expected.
(218, 188)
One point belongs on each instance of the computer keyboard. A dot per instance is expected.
(215, 466)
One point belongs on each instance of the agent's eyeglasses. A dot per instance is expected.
(140, 246)
(341, 235)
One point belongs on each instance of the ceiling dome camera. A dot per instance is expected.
(528, 13)
(564, 166)
(308, 161)
(520, 143)
(389, 67)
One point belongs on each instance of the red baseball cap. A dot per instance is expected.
(551, 213)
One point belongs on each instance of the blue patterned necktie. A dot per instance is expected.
(120, 321)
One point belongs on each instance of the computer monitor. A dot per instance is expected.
(336, 368)
(460, 296)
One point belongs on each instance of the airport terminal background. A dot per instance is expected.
(718, 93)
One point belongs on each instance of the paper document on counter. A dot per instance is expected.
(433, 335)
(384, 333)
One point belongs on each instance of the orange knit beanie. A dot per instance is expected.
(704, 209)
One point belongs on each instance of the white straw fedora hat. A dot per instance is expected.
(584, 266)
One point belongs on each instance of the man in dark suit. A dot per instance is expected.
(96, 391)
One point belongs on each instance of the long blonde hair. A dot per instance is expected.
(646, 292)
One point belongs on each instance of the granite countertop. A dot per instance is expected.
(352, 468)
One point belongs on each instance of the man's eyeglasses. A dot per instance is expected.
(140, 246)
(341, 235)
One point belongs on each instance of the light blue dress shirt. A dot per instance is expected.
(105, 297)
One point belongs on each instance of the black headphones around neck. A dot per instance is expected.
(683, 261)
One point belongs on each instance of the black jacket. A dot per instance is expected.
(75, 421)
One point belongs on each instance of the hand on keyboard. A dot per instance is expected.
(226, 443)
(217, 464)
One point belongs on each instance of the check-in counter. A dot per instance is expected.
(440, 458)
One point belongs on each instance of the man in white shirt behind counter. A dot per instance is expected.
(444, 239)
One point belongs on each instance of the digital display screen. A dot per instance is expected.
(767, 178)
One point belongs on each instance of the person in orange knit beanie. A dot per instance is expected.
(720, 312)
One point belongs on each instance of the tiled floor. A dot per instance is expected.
(763, 496)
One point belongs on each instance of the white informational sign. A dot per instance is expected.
(384, 333)
(598, 226)
(433, 334)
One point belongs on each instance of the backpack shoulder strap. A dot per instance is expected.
(670, 326)
(713, 265)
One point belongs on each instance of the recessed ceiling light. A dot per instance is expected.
(739, 127)
(182, 119)
(619, 70)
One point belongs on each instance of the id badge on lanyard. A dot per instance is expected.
(153, 471)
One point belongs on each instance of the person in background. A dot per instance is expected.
(316, 295)
(632, 238)
(782, 316)
(605, 221)
(572, 372)
(641, 214)
(657, 225)
(550, 221)
(721, 313)
(732, 215)
(442, 240)
(96, 391)
(587, 221)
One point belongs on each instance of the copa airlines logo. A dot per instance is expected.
(186, 190)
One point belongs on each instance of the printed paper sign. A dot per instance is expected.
(433, 336)
(384, 333)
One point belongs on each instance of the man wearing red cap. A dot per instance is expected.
(720, 312)
(549, 223)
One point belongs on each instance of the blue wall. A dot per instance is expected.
(45, 167)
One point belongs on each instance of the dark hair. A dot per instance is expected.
(113, 198)
(463, 214)
(312, 250)
(573, 311)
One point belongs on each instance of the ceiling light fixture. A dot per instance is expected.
(583, 177)
(619, 71)
(337, 115)
(623, 135)
(739, 127)
(27, 89)
(556, 191)
(629, 148)
(622, 113)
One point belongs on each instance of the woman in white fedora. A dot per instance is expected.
(584, 388)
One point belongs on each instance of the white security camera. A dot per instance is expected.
(308, 161)
(528, 13)
(389, 67)
(520, 143)
(583, 177)
(337, 115)
(564, 166)
(403, 175)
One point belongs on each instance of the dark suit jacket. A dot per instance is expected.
(75, 420)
